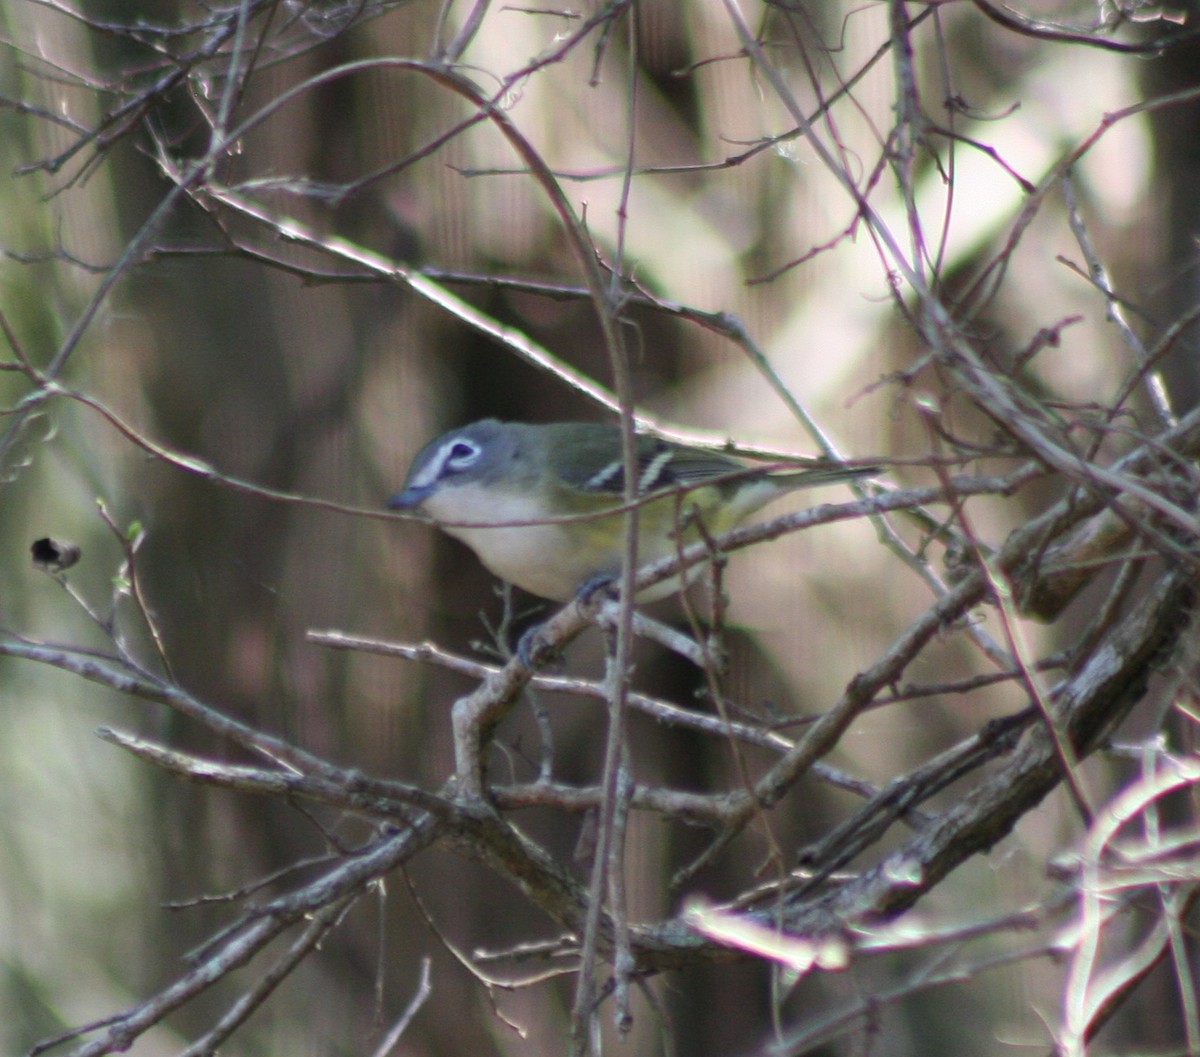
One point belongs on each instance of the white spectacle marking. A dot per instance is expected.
(458, 460)
(435, 468)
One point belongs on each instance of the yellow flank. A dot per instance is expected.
(512, 537)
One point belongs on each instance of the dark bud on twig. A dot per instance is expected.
(54, 555)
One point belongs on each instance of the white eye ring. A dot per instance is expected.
(452, 457)
(459, 454)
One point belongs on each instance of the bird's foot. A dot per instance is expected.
(532, 648)
(593, 586)
(534, 651)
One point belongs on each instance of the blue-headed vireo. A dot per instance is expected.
(495, 485)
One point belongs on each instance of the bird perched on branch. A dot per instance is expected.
(541, 505)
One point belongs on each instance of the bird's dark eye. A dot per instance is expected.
(462, 454)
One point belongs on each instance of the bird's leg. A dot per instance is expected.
(588, 595)
(593, 585)
(534, 653)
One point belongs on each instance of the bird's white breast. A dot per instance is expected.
(511, 537)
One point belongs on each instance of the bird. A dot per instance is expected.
(505, 488)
